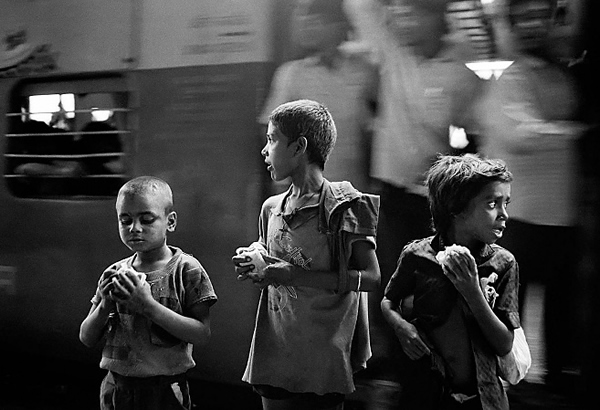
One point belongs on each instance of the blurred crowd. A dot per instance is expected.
(395, 76)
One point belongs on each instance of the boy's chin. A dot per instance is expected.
(138, 247)
(497, 235)
(278, 179)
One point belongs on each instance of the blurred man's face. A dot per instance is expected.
(413, 25)
(531, 24)
(314, 31)
(402, 22)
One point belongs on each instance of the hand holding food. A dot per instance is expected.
(255, 258)
(250, 263)
(451, 251)
(124, 269)
(460, 267)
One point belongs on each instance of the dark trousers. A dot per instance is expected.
(423, 387)
(144, 393)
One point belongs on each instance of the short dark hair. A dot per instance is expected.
(148, 185)
(311, 120)
(453, 180)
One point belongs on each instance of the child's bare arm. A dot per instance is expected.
(136, 295)
(407, 333)
(92, 327)
(194, 328)
(284, 273)
(461, 269)
(363, 260)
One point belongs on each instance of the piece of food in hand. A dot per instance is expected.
(256, 259)
(442, 256)
(124, 269)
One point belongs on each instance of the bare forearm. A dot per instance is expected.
(187, 329)
(92, 327)
(392, 315)
(496, 332)
(366, 281)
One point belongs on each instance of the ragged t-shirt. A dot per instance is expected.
(303, 338)
(135, 346)
(418, 273)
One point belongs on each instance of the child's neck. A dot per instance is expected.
(453, 239)
(152, 260)
(311, 180)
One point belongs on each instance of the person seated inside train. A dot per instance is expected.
(40, 139)
(99, 137)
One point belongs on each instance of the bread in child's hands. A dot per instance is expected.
(124, 269)
(255, 258)
(442, 256)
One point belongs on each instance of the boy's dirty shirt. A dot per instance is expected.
(303, 336)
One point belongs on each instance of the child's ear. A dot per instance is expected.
(171, 221)
(302, 145)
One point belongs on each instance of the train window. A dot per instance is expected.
(67, 138)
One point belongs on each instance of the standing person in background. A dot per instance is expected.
(425, 88)
(338, 76)
(529, 122)
(317, 241)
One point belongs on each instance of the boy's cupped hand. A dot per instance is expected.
(264, 271)
(105, 285)
(131, 290)
(249, 262)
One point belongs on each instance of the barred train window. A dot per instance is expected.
(67, 138)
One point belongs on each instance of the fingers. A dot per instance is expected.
(124, 284)
(127, 281)
(107, 275)
(461, 258)
(415, 348)
(118, 290)
(241, 249)
(459, 264)
(241, 261)
(105, 283)
(243, 270)
(133, 277)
